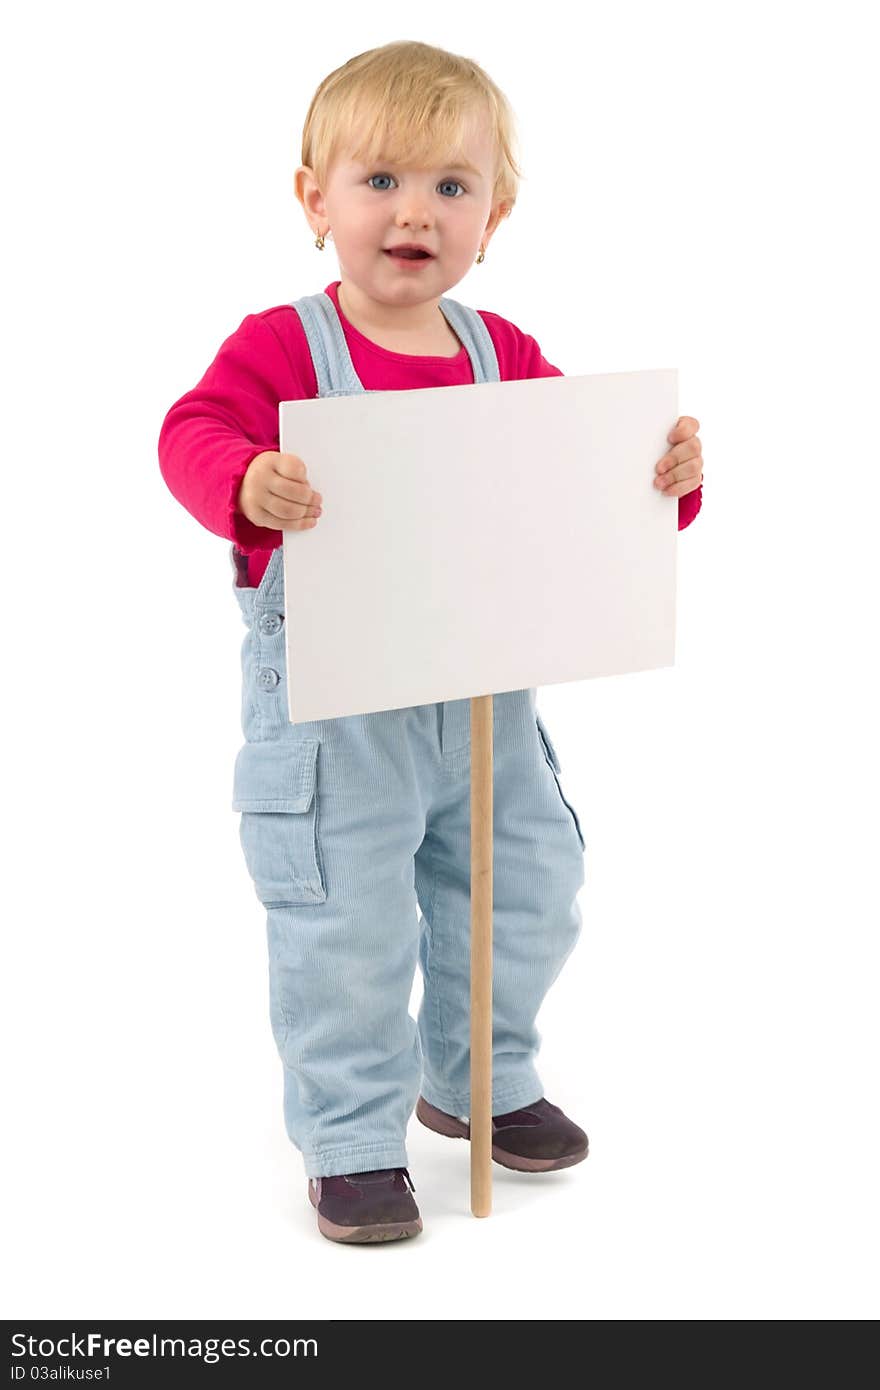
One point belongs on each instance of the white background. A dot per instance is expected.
(698, 195)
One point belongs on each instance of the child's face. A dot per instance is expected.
(448, 209)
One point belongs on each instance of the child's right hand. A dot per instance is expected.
(276, 493)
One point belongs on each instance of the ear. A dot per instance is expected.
(307, 191)
(498, 212)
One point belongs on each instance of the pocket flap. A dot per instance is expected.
(275, 775)
(548, 743)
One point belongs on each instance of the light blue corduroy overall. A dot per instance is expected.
(349, 824)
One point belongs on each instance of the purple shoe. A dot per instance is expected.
(535, 1139)
(357, 1207)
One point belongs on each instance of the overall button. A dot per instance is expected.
(270, 623)
(267, 679)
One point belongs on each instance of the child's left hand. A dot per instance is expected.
(681, 470)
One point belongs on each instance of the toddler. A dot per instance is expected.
(348, 825)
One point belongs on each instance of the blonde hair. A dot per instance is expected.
(412, 103)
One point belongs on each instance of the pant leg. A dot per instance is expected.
(343, 935)
(538, 871)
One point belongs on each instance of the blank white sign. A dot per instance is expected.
(479, 538)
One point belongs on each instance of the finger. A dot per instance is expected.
(682, 472)
(289, 466)
(684, 427)
(692, 449)
(293, 491)
(682, 489)
(287, 510)
(277, 523)
(304, 500)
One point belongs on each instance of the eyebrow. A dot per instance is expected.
(453, 168)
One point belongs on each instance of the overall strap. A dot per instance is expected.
(330, 355)
(475, 336)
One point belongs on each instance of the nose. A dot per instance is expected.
(413, 212)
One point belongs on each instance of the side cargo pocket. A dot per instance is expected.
(275, 789)
(553, 762)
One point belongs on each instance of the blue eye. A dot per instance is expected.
(455, 183)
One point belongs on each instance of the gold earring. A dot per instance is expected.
(319, 240)
(481, 257)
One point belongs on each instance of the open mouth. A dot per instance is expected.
(409, 255)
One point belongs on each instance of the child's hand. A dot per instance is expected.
(276, 493)
(681, 470)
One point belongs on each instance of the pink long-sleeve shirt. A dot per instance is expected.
(211, 434)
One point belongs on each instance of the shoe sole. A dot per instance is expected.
(454, 1128)
(361, 1235)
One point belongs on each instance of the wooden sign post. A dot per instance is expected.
(481, 954)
